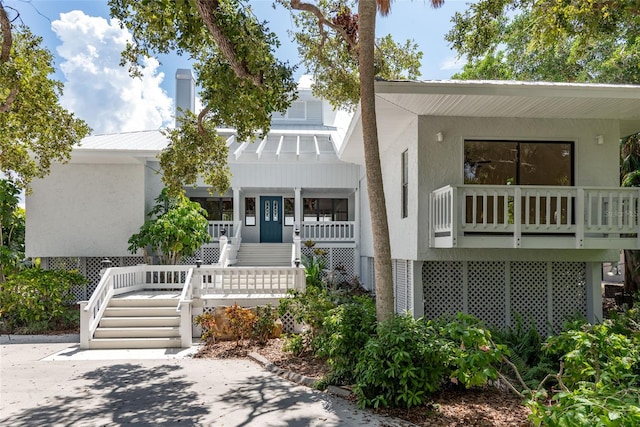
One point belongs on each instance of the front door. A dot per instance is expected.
(270, 219)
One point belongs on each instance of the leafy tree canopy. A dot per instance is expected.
(12, 228)
(35, 129)
(552, 40)
(242, 81)
(328, 42)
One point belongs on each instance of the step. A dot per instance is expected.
(135, 311)
(143, 302)
(124, 322)
(141, 332)
(120, 343)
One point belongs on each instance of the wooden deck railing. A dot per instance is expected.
(607, 215)
(331, 231)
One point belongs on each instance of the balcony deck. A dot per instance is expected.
(535, 217)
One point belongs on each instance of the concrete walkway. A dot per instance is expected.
(57, 384)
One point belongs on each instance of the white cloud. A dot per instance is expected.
(451, 63)
(97, 88)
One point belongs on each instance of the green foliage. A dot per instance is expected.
(264, 324)
(524, 345)
(334, 63)
(309, 307)
(241, 321)
(36, 130)
(599, 381)
(177, 227)
(192, 154)
(295, 343)
(346, 330)
(12, 228)
(207, 323)
(36, 300)
(244, 102)
(408, 359)
(313, 268)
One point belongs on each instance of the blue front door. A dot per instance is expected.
(270, 219)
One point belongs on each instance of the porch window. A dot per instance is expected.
(289, 211)
(325, 209)
(405, 185)
(518, 163)
(218, 208)
(249, 211)
(535, 163)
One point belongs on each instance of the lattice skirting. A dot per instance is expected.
(499, 292)
(288, 324)
(342, 259)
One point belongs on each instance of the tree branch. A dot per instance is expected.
(201, 115)
(5, 52)
(322, 21)
(207, 9)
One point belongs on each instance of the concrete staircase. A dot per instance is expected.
(140, 321)
(264, 255)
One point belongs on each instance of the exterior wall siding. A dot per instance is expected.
(285, 175)
(85, 210)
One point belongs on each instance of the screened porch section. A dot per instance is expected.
(513, 216)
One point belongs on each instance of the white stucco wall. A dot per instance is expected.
(85, 210)
(441, 163)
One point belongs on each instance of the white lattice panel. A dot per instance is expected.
(343, 258)
(288, 324)
(569, 291)
(442, 287)
(529, 293)
(487, 291)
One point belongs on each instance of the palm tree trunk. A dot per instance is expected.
(377, 205)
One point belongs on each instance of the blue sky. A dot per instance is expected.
(87, 43)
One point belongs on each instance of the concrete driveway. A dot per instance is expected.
(57, 384)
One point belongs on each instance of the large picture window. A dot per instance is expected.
(218, 208)
(518, 163)
(324, 209)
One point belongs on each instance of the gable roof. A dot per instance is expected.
(399, 102)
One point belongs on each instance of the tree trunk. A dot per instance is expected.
(377, 205)
(631, 272)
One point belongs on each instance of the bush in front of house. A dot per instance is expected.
(35, 300)
(408, 359)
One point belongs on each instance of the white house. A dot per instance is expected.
(503, 199)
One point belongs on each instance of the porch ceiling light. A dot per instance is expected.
(599, 139)
(439, 137)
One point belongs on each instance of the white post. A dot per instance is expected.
(185, 324)
(594, 292)
(85, 320)
(236, 205)
(298, 207)
(297, 249)
(356, 232)
(580, 210)
(517, 217)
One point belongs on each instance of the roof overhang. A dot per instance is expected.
(400, 102)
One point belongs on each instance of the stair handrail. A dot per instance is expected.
(187, 290)
(237, 235)
(91, 311)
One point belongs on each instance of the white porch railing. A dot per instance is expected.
(120, 280)
(215, 229)
(196, 282)
(578, 217)
(332, 231)
(249, 280)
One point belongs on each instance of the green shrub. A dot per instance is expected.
(295, 343)
(241, 321)
(409, 359)
(309, 307)
(207, 323)
(598, 383)
(264, 323)
(35, 300)
(400, 365)
(346, 330)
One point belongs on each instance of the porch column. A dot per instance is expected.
(594, 292)
(356, 231)
(236, 205)
(298, 208)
